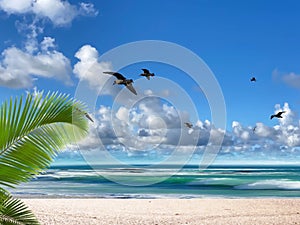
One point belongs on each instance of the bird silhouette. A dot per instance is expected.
(147, 74)
(277, 115)
(189, 125)
(254, 128)
(253, 79)
(123, 80)
(85, 113)
(88, 116)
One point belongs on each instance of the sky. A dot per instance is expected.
(65, 46)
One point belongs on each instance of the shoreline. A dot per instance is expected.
(77, 211)
(150, 198)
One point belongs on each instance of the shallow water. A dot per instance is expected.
(144, 181)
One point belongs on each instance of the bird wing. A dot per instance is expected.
(146, 71)
(117, 75)
(131, 88)
(88, 116)
(85, 113)
(280, 113)
(188, 125)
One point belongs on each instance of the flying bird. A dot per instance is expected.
(277, 115)
(123, 80)
(254, 128)
(253, 79)
(189, 125)
(147, 74)
(86, 114)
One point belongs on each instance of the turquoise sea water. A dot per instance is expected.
(189, 182)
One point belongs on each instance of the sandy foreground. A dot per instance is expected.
(165, 211)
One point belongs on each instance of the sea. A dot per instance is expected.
(166, 181)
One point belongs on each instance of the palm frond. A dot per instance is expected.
(14, 211)
(33, 130)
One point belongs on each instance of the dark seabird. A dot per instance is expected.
(277, 115)
(147, 74)
(253, 79)
(189, 125)
(86, 114)
(122, 80)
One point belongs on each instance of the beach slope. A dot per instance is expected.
(165, 211)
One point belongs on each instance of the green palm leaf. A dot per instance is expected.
(33, 130)
(14, 211)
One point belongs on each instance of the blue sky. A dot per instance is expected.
(50, 45)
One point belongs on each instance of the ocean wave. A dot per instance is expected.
(215, 181)
(282, 184)
(67, 174)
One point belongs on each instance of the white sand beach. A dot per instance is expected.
(165, 211)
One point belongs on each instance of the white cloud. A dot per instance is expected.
(59, 12)
(291, 79)
(148, 92)
(34, 92)
(140, 129)
(47, 44)
(148, 126)
(19, 69)
(16, 6)
(289, 117)
(87, 9)
(123, 114)
(90, 69)
(285, 134)
(264, 131)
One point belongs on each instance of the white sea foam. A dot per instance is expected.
(282, 184)
(213, 181)
(66, 174)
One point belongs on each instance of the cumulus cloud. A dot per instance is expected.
(153, 127)
(20, 68)
(17, 6)
(59, 12)
(127, 127)
(89, 68)
(285, 134)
